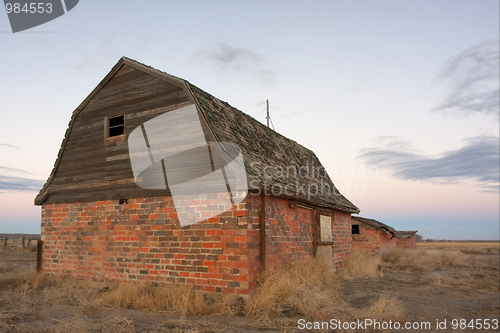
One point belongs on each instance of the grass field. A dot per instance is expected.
(438, 281)
(465, 247)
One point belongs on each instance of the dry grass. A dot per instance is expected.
(305, 289)
(308, 289)
(464, 247)
(422, 259)
(483, 277)
(172, 298)
(385, 308)
(361, 266)
(437, 263)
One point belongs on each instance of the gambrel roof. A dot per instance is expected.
(261, 147)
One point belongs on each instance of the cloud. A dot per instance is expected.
(17, 180)
(10, 146)
(226, 58)
(478, 161)
(474, 75)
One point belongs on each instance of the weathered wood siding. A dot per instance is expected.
(93, 167)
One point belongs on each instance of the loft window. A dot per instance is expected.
(355, 229)
(116, 126)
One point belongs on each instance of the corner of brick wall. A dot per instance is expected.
(407, 243)
(342, 230)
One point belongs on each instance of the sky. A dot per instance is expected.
(398, 99)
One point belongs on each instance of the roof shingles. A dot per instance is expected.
(276, 162)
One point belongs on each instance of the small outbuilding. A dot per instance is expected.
(111, 210)
(371, 236)
(406, 239)
(374, 237)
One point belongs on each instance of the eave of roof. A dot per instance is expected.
(405, 234)
(376, 224)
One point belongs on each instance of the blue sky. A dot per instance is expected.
(405, 89)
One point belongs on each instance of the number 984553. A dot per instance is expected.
(31, 8)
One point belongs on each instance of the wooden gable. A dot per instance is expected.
(92, 166)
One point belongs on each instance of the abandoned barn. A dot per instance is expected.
(373, 237)
(111, 212)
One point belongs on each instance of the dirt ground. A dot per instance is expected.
(436, 282)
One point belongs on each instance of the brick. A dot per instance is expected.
(142, 241)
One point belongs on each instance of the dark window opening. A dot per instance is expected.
(116, 126)
(123, 201)
(355, 229)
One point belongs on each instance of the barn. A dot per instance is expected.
(120, 205)
(374, 237)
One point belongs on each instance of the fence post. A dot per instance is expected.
(38, 255)
(29, 244)
(5, 243)
(22, 241)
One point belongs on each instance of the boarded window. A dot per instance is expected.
(116, 126)
(355, 229)
(325, 228)
(325, 244)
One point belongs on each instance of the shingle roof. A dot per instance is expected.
(376, 224)
(405, 234)
(263, 147)
(384, 227)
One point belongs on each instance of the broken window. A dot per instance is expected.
(355, 229)
(116, 126)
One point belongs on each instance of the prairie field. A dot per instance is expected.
(438, 281)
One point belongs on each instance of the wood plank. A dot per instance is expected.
(262, 219)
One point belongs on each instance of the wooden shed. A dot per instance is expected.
(98, 224)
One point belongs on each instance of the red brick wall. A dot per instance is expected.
(407, 243)
(371, 240)
(289, 233)
(368, 240)
(342, 246)
(142, 241)
(387, 241)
